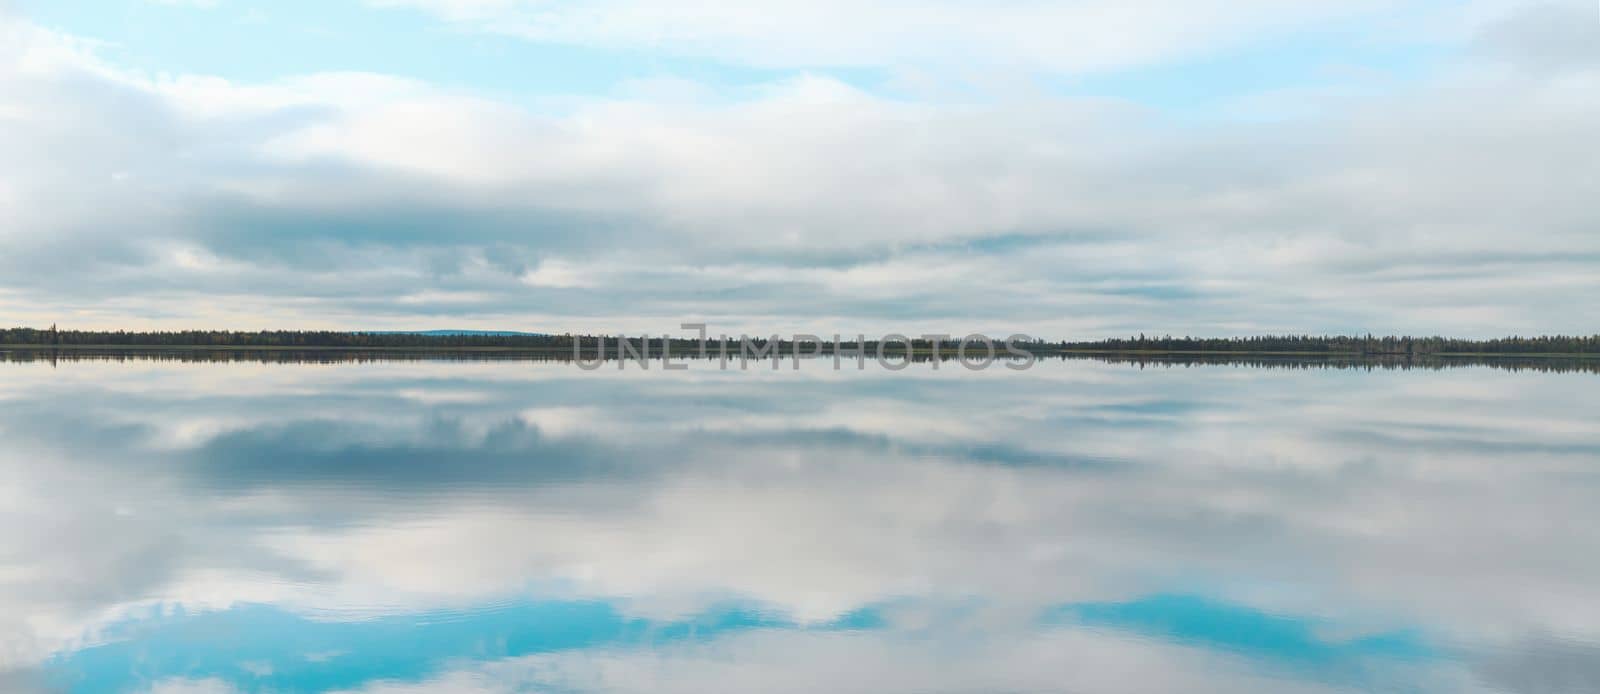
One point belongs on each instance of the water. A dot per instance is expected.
(494, 526)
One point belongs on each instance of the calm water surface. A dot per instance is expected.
(513, 526)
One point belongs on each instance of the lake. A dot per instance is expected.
(500, 525)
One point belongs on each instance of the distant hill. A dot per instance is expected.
(455, 333)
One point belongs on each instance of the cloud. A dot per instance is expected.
(786, 662)
(1544, 664)
(1075, 36)
(1545, 36)
(802, 203)
(197, 4)
(189, 686)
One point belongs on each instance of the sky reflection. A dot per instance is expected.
(506, 526)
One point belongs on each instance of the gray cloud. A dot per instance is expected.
(1544, 666)
(346, 200)
(1546, 36)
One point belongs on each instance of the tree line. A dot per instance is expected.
(1138, 360)
(272, 338)
(1368, 345)
(1347, 345)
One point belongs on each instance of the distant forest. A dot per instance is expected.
(277, 338)
(1149, 360)
(324, 339)
(1368, 345)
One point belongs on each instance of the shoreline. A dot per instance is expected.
(567, 351)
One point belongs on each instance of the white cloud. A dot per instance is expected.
(191, 686)
(1068, 36)
(1059, 661)
(1468, 195)
(197, 4)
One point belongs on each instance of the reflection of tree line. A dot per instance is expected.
(1145, 360)
(1365, 363)
(1346, 345)
(259, 356)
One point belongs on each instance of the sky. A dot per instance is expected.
(1065, 169)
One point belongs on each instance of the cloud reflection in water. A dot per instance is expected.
(508, 526)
